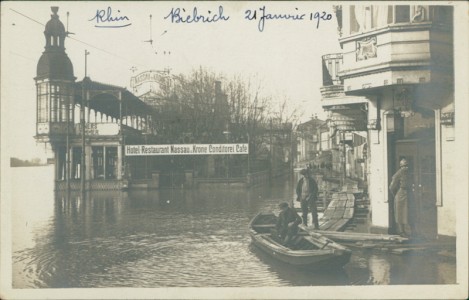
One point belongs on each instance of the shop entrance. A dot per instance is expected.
(415, 141)
(420, 155)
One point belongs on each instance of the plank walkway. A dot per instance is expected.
(360, 239)
(339, 212)
(341, 209)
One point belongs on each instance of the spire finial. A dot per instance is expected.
(54, 9)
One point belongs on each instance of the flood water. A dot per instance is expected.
(173, 238)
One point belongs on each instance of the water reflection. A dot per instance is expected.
(380, 270)
(293, 276)
(176, 238)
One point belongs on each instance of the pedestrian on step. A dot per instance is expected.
(399, 187)
(307, 194)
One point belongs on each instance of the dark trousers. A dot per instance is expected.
(306, 206)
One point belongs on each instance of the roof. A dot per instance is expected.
(54, 64)
(313, 123)
(54, 26)
(107, 98)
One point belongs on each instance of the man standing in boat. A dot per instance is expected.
(307, 194)
(287, 223)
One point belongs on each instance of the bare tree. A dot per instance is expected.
(199, 110)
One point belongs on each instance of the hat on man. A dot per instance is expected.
(283, 205)
(403, 163)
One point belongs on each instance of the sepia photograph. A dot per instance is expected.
(234, 150)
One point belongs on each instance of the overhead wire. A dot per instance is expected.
(23, 56)
(107, 52)
(26, 16)
(80, 41)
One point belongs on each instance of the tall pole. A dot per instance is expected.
(82, 123)
(271, 150)
(86, 60)
(344, 155)
(249, 154)
(67, 147)
(291, 150)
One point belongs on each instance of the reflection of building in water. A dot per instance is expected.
(394, 81)
(75, 213)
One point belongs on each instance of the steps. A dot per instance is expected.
(362, 214)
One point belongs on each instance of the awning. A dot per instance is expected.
(107, 98)
(358, 140)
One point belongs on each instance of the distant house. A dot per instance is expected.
(312, 138)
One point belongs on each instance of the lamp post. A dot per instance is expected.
(67, 147)
(249, 154)
(145, 134)
(227, 133)
(82, 123)
(271, 150)
(344, 157)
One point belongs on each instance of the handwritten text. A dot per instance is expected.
(179, 15)
(262, 15)
(105, 19)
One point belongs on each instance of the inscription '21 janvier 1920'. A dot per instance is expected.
(104, 18)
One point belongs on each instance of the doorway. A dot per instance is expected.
(420, 155)
(414, 140)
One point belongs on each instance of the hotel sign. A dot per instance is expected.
(147, 76)
(186, 149)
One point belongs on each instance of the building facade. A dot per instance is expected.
(396, 85)
(86, 123)
(309, 137)
(89, 124)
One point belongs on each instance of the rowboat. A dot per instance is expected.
(307, 250)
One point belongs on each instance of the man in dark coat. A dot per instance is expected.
(287, 223)
(399, 187)
(307, 194)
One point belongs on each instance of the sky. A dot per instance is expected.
(284, 58)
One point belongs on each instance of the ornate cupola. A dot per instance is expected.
(55, 31)
(54, 62)
(54, 83)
